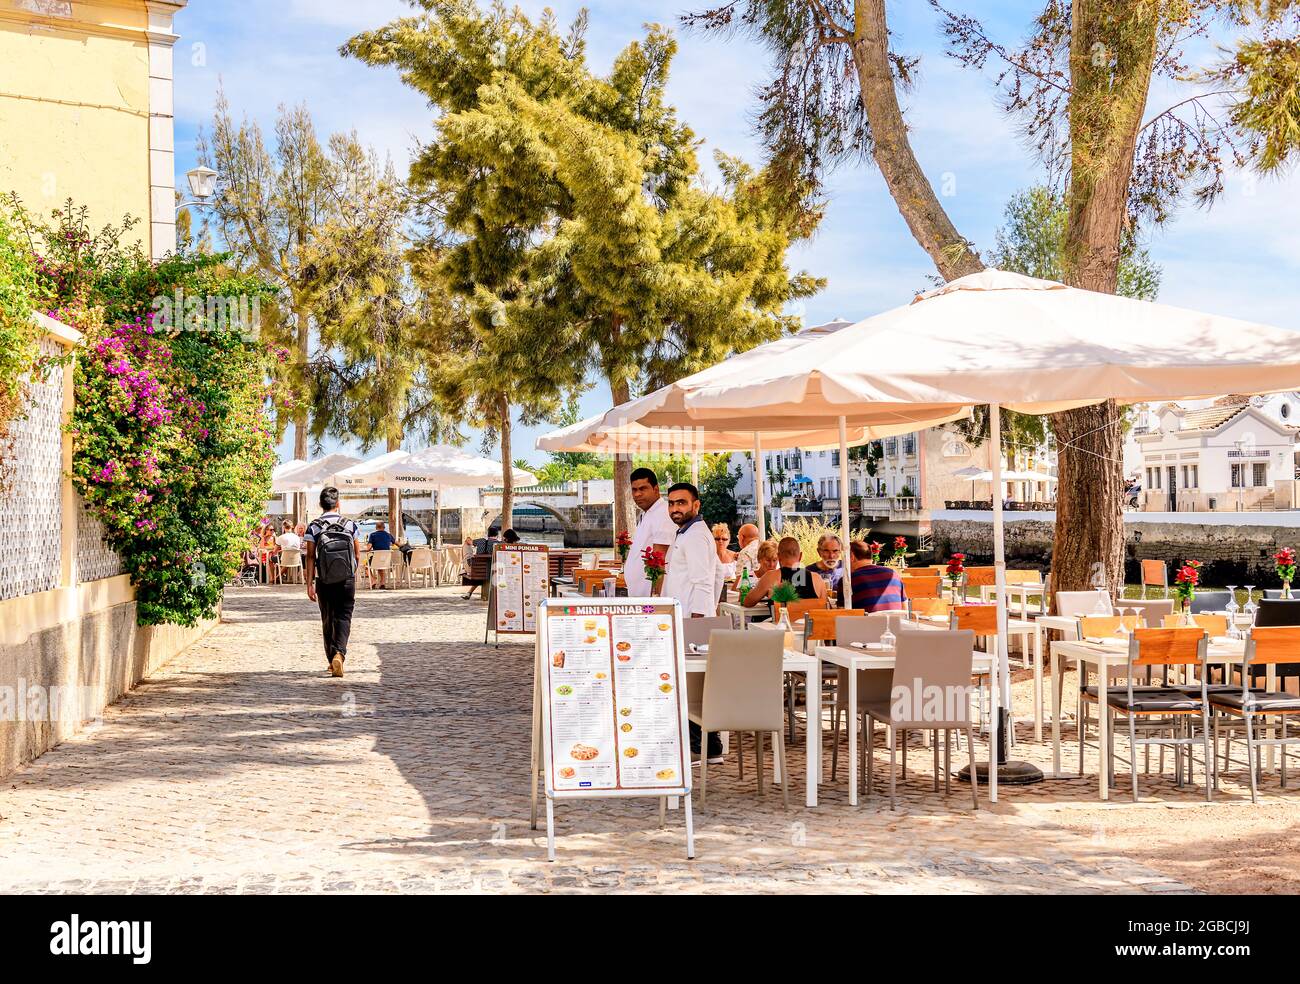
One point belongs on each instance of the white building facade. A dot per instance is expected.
(1224, 457)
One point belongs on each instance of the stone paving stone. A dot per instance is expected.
(242, 767)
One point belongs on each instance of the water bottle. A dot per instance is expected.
(742, 589)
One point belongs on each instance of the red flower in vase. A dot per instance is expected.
(956, 566)
(654, 561)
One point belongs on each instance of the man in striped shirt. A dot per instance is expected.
(875, 588)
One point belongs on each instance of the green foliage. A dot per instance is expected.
(809, 531)
(1032, 241)
(784, 593)
(579, 236)
(717, 496)
(18, 335)
(172, 448)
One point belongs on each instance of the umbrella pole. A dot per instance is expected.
(695, 469)
(847, 568)
(999, 769)
(438, 517)
(758, 487)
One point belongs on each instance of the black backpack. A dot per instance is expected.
(335, 559)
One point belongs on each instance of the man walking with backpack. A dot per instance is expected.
(332, 558)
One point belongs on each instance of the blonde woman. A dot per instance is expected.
(725, 572)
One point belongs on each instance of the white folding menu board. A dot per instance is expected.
(610, 684)
(520, 583)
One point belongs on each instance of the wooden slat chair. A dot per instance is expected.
(1160, 708)
(796, 610)
(1155, 574)
(983, 621)
(923, 587)
(1215, 625)
(977, 578)
(1102, 627)
(935, 570)
(1264, 647)
(818, 627)
(927, 606)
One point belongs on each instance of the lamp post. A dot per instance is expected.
(202, 182)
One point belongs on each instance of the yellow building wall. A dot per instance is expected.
(74, 108)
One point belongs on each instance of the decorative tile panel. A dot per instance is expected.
(31, 469)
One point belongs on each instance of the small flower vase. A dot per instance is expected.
(622, 552)
(1186, 620)
(952, 593)
(1286, 589)
(783, 621)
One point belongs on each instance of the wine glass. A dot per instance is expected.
(1232, 608)
(887, 639)
(1251, 608)
(1122, 632)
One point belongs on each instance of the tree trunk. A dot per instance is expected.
(507, 471)
(1111, 60)
(395, 524)
(623, 506)
(301, 344)
(907, 183)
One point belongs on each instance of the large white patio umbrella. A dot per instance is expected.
(1003, 340)
(659, 422)
(305, 475)
(436, 468)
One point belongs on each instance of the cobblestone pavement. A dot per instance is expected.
(241, 766)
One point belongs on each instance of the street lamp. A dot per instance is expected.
(203, 182)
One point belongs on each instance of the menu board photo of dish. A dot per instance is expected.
(520, 579)
(614, 709)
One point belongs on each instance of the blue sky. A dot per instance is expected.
(1241, 258)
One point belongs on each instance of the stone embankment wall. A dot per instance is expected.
(1233, 553)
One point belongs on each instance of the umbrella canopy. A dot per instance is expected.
(439, 466)
(660, 421)
(310, 474)
(994, 337)
(984, 475)
(603, 435)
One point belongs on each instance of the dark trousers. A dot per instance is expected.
(336, 602)
(715, 741)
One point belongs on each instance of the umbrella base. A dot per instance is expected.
(1009, 773)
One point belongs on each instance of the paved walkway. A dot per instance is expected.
(243, 767)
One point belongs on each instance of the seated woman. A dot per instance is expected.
(726, 568)
(876, 588)
(789, 554)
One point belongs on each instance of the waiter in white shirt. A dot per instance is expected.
(692, 560)
(655, 529)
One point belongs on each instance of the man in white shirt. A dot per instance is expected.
(289, 540)
(692, 556)
(691, 563)
(655, 529)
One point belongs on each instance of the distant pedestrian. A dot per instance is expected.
(332, 558)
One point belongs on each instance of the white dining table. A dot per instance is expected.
(793, 661)
(1102, 656)
(877, 657)
(737, 611)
